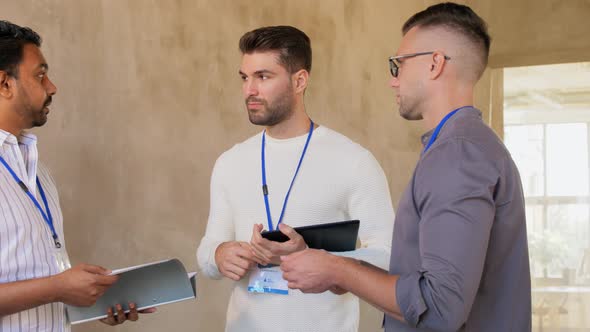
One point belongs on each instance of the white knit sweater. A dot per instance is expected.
(338, 180)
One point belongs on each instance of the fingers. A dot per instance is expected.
(238, 270)
(231, 275)
(95, 269)
(293, 285)
(249, 253)
(259, 258)
(121, 317)
(105, 281)
(285, 265)
(235, 267)
(260, 255)
(240, 263)
(257, 229)
(120, 314)
(235, 259)
(244, 256)
(291, 257)
(244, 250)
(260, 245)
(270, 250)
(110, 320)
(133, 315)
(100, 274)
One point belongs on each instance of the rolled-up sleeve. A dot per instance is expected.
(453, 191)
(409, 297)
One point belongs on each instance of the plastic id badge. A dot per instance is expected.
(62, 259)
(268, 280)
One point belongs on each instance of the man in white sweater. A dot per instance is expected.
(294, 173)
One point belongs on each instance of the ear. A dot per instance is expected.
(6, 84)
(300, 79)
(437, 65)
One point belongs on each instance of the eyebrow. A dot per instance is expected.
(258, 72)
(44, 66)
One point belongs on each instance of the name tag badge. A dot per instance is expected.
(62, 259)
(268, 280)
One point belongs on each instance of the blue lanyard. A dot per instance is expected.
(46, 216)
(264, 185)
(439, 127)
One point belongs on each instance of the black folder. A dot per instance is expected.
(335, 236)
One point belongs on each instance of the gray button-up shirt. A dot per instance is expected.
(459, 240)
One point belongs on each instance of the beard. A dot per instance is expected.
(33, 113)
(271, 114)
(39, 116)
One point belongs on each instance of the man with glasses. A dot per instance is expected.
(459, 257)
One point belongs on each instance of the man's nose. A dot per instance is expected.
(251, 89)
(51, 88)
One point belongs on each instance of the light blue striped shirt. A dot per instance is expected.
(27, 250)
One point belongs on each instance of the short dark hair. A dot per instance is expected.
(13, 38)
(457, 18)
(292, 44)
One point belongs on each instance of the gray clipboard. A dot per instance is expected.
(148, 285)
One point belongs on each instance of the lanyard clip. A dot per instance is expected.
(23, 186)
(265, 190)
(56, 241)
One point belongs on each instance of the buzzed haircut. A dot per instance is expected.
(456, 18)
(292, 45)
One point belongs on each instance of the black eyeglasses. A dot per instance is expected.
(394, 67)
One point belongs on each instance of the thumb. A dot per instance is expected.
(258, 228)
(289, 231)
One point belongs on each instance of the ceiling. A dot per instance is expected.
(550, 86)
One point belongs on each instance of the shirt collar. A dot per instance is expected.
(27, 138)
(464, 112)
(24, 138)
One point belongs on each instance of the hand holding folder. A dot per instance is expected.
(83, 284)
(146, 286)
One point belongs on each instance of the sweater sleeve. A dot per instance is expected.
(370, 202)
(220, 226)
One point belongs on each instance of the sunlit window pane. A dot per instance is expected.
(546, 119)
(568, 226)
(536, 229)
(567, 168)
(525, 143)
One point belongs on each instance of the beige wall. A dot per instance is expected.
(527, 33)
(149, 96)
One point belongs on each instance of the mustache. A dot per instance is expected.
(47, 101)
(254, 100)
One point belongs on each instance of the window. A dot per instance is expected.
(547, 131)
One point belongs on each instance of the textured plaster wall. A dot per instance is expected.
(149, 96)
